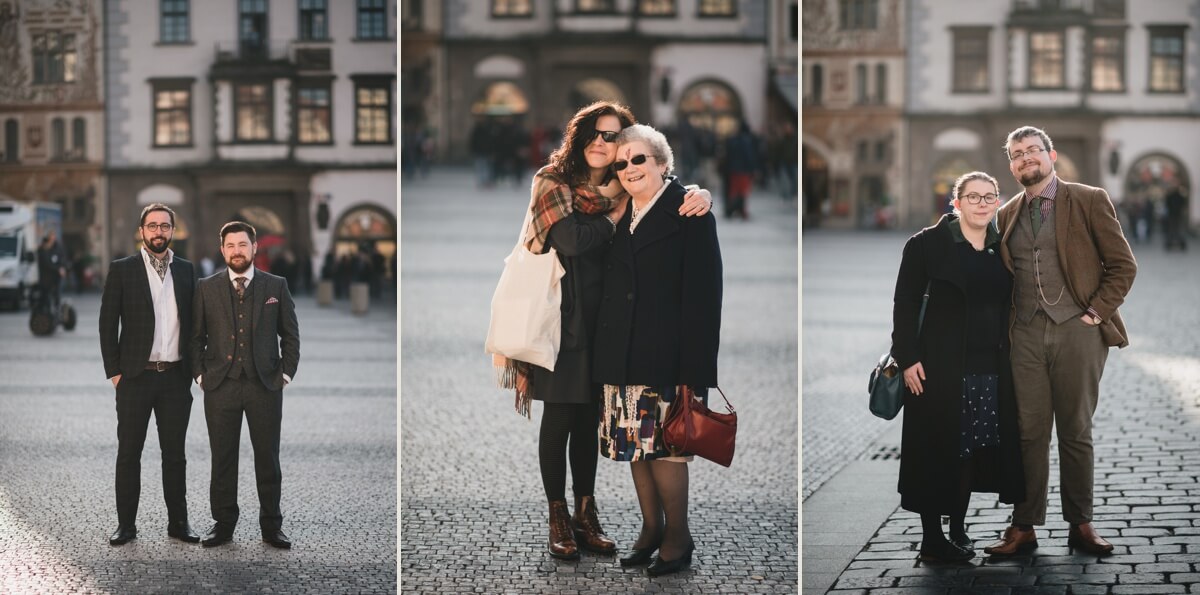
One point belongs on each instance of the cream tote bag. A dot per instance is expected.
(526, 315)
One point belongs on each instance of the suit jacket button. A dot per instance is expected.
(629, 296)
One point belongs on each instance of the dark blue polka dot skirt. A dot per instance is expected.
(980, 420)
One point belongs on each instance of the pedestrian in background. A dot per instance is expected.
(1176, 223)
(742, 160)
(659, 342)
(575, 202)
(52, 269)
(960, 423)
(483, 137)
(1072, 269)
(145, 322)
(244, 376)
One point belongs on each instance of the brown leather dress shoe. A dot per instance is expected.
(1084, 537)
(586, 527)
(1015, 541)
(562, 544)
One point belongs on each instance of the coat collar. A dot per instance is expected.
(661, 221)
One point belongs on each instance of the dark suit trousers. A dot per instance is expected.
(223, 410)
(167, 395)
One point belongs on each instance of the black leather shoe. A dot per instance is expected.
(276, 538)
(123, 535)
(639, 556)
(944, 553)
(220, 534)
(660, 567)
(963, 541)
(182, 531)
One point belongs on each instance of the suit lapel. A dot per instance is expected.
(658, 222)
(177, 282)
(1062, 216)
(256, 299)
(143, 281)
(1009, 226)
(223, 287)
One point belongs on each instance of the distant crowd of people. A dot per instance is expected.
(502, 151)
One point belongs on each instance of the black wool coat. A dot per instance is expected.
(660, 315)
(580, 241)
(929, 463)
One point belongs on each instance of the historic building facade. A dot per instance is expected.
(277, 112)
(852, 149)
(52, 113)
(1114, 83)
(534, 62)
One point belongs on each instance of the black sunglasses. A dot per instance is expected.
(622, 164)
(608, 135)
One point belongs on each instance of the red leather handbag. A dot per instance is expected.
(692, 428)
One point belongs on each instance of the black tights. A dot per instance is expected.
(578, 425)
(931, 522)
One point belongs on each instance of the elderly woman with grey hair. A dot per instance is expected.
(657, 339)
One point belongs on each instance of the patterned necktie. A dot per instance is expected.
(241, 286)
(1036, 217)
(160, 267)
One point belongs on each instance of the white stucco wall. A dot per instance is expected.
(212, 24)
(741, 66)
(1141, 136)
(348, 189)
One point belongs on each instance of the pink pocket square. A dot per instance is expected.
(272, 301)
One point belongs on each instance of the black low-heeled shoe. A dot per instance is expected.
(640, 556)
(945, 553)
(963, 541)
(661, 567)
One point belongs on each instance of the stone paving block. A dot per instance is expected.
(1147, 589)
(1185, 577)
(1076, 577)
(1142, 577)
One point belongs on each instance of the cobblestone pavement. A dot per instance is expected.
(58, 448)
(1147, 435)
(847, 280)
(473, 514)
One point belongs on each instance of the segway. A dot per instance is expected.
(43, 318)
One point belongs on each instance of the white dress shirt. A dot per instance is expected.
(165, 347)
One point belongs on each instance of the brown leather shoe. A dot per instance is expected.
(1014, 541)
(562, 545)
(1084, 537)
(586, 526)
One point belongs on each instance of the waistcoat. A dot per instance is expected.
(1035, 261)
(243, 348)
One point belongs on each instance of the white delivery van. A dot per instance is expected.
(22, 227)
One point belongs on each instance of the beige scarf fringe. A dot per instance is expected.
(514, 374)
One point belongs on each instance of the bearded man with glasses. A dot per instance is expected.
(1072, 269)
(145, 321)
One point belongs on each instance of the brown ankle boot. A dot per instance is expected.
(587, 529)
(562, 545)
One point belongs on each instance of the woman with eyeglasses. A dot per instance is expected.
(660, 325)
(960, 426)
(575, 203)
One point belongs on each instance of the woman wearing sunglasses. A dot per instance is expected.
(575, 202)
(660, 325)
(960, 426)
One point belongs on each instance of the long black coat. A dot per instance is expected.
(580, 241)
(929, 464)
(660, 318)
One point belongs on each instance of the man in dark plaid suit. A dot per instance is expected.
(145, 323)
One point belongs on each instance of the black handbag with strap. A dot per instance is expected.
(886, 384)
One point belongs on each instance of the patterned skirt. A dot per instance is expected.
(980, 419)
(631, 423)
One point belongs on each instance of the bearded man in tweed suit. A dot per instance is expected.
(1072, 268)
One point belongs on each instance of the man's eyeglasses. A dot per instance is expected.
(608, 135)
(975, 198)
(154, 227)
(1031, 152)
(622, 164)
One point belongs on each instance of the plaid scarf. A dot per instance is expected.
(553, 201)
